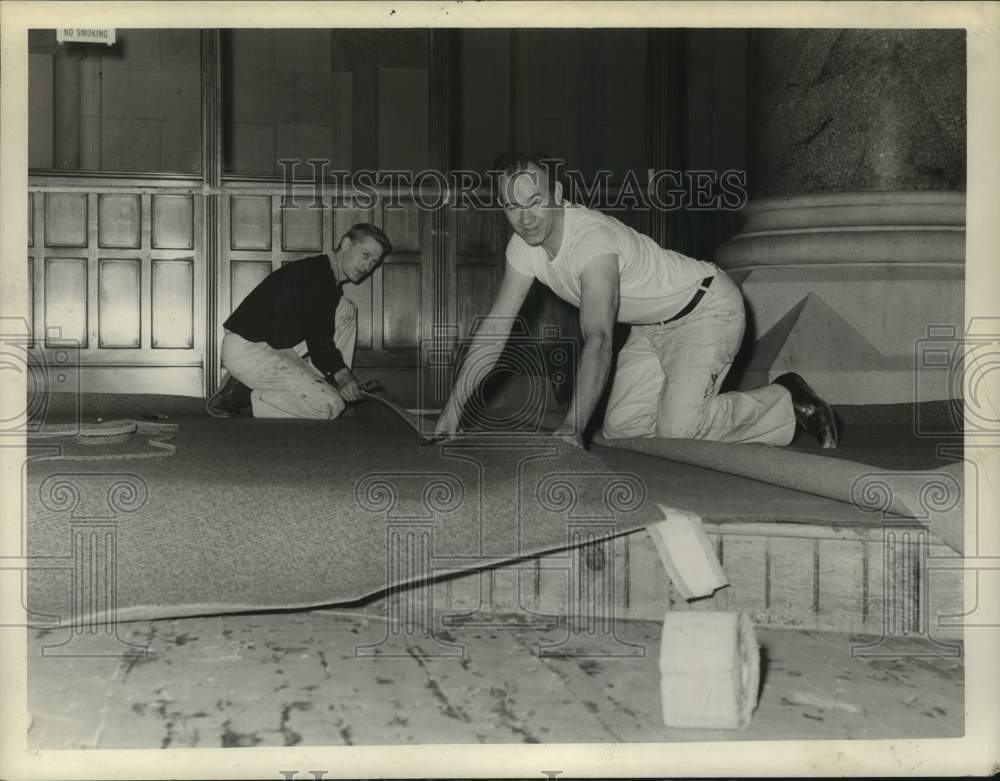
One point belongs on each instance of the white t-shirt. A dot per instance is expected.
(656, 283)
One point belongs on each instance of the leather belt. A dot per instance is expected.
(699, 294)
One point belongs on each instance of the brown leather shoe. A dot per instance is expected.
(811, 412)
(230, 398)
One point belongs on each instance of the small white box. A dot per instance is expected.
(709, 669)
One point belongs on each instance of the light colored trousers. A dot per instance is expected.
(283, 383)
(668, 379)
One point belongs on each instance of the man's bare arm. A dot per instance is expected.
(486, 347)
(598, 312)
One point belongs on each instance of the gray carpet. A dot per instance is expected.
(257, 514)
(265, 514)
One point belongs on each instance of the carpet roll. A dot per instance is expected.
(709, 669)
(932, 496)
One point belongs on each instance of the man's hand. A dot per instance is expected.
(348, 385)
(569, 435)
(447, 423)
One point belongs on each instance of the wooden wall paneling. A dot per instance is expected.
(433, 260)
(946, 587)
(93, 336)
(147, 233)
(214, 230)
(222, 270)
(326, 216)
(173, 305)
(405, 284)
(743, 560)
(362, 296)
(244, 276)
(38, 270)
(475, 286)
(436, 375)
(478, 264)
(791, 580)
(903, 575)
(878, 594)
(119, 222)
(841, 577)
(101, 293)
(402, 305)
(443, 101)
(31, 219)
(477, 232)
(647, 582)
(553, 581)
(378, 310)
(119, 303)
(31, 301)
(66, 219)
(250, 219)
(173, 222)
(301, 228)
(277, 253)
(403, 226)
(200, 288)
(65, 301)
(345, 216)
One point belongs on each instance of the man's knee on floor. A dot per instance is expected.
(334, 406)
(324, 401)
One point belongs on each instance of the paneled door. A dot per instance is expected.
(115, 289)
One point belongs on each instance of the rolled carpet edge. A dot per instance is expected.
(932, 497)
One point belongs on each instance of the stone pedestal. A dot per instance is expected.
(853, 245)
(844, 288)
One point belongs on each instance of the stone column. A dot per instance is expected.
(853, 244)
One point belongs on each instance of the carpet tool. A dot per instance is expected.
(370, 390)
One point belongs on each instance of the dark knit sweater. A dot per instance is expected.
(297, 302)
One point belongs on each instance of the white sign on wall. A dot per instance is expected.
(86, 35)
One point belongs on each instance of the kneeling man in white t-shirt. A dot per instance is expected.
(687, 321)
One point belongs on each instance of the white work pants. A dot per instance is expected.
(284, 384)
(668, 379)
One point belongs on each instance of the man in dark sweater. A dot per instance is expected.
(298, 312)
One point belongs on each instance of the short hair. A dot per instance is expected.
(366, 230)
(511, 163)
